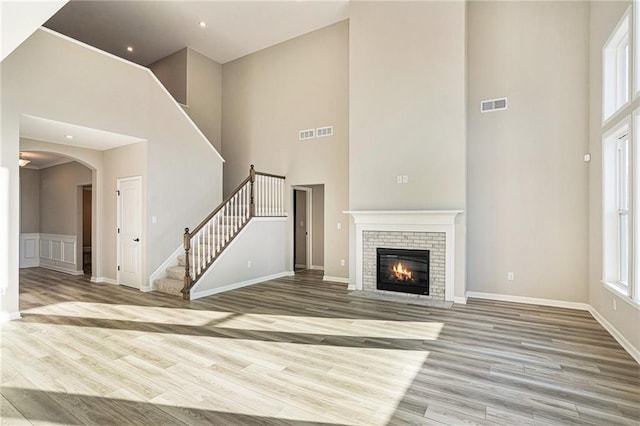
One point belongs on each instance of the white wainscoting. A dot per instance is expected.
(59, 252)
(29, 250)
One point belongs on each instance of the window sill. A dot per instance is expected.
(615, 289)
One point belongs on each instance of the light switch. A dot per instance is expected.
(154, 219)
(339, 226)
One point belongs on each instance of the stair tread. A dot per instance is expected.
(168, 285)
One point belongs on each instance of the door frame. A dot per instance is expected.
(118, 225)
(309, 219)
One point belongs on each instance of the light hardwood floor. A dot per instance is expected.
(301, 351)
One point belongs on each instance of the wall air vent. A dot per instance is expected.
(306, 134)
(324, 131)
(493, 105)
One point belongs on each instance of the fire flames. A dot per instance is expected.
(401, 273)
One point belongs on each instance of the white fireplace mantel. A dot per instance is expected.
(408, 221)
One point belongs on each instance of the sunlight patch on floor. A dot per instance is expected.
(291, 381)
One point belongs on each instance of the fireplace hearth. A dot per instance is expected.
(403, 270)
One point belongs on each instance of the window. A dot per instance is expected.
(617, 202)
(616, 64)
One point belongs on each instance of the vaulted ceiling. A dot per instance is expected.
(221, 30)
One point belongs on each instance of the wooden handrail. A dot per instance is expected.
(225, 201)
(270, 175)
(249, 213)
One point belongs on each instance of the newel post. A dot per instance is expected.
(187, 268)
(252, 206)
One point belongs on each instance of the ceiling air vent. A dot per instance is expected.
(324, 131)
(306, 134)
(493, 105)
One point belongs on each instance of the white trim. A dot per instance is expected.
(104, 280)
(300, 265)
(350, 287)
(9, 316)
(460, 300)
(309, 220)
(29, 262)
(613, 288)
(529, 300)
(142, 236)
(626, 16)
(336, 279)
(317, 267)
(635, 353)
(148, 71)
(161, 271)
(199, 295)
(62, 269)
(409, 221)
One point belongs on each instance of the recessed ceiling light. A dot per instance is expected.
(129, 49)
(68, 136)
(202, 24)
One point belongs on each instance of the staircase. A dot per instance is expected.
(259, 195)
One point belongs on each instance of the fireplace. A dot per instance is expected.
(405, 271)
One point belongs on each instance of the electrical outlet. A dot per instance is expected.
(510, 276)
(615, 306)
(339, 226)
(405, 179)
(248, 264)
(341, 262)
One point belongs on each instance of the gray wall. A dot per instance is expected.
(268, 97)
(195, 81)
(407, 111)
(29, 200)
(204, 95)
(301, 226)
(318, 225)
(604, 18)
(59, 202)
(527, 182)
(172, 72)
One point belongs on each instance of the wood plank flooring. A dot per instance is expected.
(298, 350)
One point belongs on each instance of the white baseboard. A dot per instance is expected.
(335, 279)
(62, 269)
(317, 267)
(161, 271)
(529, 300)
(103, 280)
(351, 287)
(634, 352)
(199, 295)
(9, 316)
(300, 265)
(461, 300)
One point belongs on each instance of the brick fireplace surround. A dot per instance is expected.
(432, 230)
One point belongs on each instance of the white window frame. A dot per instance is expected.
(616, 69)
(611, 213)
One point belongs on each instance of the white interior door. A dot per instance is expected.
(129, 231)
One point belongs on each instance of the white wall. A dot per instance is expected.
(407, 110)
(527, 182)
(625, 318)
(264, 243)
(268, 97)
(102, 92)
(19, 19)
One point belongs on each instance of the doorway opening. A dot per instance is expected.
(308, 229)
(87, 195)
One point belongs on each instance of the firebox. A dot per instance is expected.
(406, 271)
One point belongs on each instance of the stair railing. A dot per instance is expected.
(259, 195)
